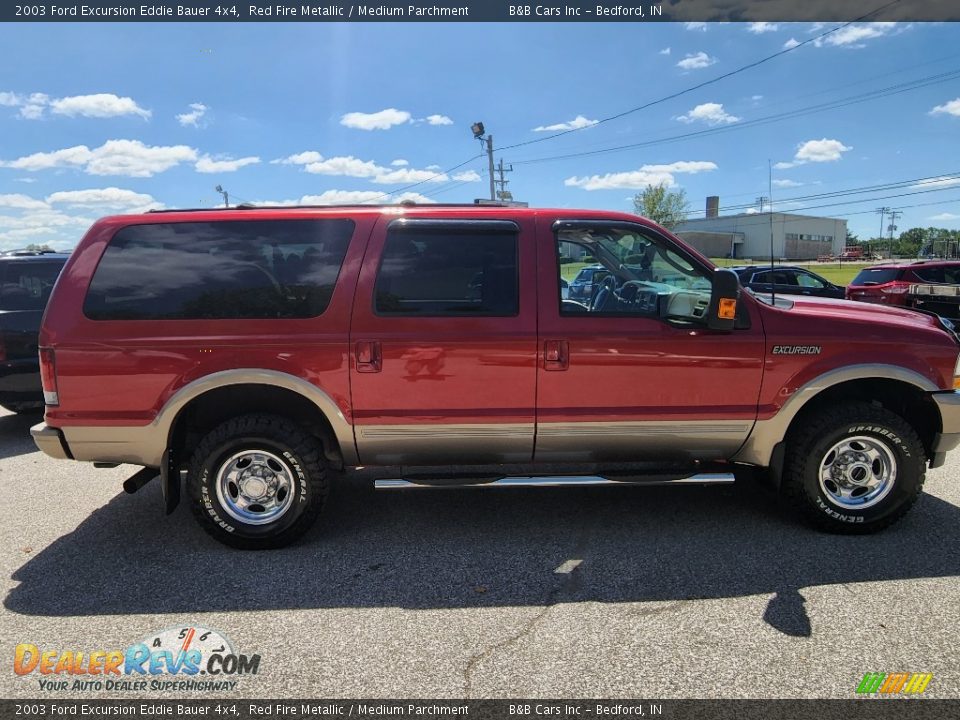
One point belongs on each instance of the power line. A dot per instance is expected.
(894, 185)
(737, 71)
(832, 105)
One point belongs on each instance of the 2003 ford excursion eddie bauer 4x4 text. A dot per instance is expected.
(261, 351)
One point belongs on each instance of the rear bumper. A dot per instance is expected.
(51, 442)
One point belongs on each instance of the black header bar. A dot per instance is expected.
(623, 11)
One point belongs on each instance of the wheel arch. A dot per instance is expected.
(900, 390)
(206, 402)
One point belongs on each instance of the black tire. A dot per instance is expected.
(294, 457)
(819, 432)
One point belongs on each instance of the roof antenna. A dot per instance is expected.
(773, 279)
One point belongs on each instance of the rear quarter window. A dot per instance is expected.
(27, 285)
(219, 270)
(876, 276)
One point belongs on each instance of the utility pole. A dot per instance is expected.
(226, 197)
(493, 193)
(503, 194)
(893, 214)
(762, 200)
(882, 211)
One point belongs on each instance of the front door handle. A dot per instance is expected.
(556, 354)
(368, 356)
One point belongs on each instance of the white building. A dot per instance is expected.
(747, 235)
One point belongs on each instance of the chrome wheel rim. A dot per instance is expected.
(255, 487)
(858, 472)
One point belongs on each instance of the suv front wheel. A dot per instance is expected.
(257, 482)
(854, 468)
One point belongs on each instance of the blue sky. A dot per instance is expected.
(98, 119)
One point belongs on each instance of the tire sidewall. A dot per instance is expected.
(909, 473)
(213, 509)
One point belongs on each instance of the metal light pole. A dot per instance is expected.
(478, 133)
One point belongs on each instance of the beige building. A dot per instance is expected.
(747, 235)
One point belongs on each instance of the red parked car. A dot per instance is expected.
(260, 353)
(890, 283)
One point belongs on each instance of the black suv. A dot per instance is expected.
(787, 280)
(26, 281)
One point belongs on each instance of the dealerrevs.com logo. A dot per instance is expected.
(177, 660)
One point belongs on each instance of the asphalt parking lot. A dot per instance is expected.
(679, 592)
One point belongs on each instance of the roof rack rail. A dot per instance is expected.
(24, 252)
(402, 203)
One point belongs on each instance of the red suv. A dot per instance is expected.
(890, 283)
(260, 353)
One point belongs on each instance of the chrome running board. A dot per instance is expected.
(558, 481)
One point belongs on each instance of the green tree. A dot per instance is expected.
(666, 207)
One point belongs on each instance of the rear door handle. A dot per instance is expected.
(556, 354)
(368, 356)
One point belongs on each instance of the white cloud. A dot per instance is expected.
(9, 99)
(639, 179)
(343, 197)
(787, 183)
(577, 123)
(362, 197)
(852, 36)
(791, 43)
(467, 176)
(310, 156)
(25, 180)
(207, 164)
(408, 175)
(758, 28)
(438, 120)
(696, 62)
(710, 113)
(349, 166)
(344, 165)
(944, 217)
(665, 51)
(115, 157)
(943, 181)
(823, 150)
(383, 120)
(22, 202)
(948, 108)
(192, 118)
(113, 198)
(33, 106)
(100, 105)
(756, 98)
(702, 26)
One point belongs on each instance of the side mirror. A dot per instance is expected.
(722, 313)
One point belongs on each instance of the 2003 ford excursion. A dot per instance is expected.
(260, 352)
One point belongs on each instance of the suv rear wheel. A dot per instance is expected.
(257, 482)
(854, 468)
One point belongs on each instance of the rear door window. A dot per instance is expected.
(27, 285)
(219, 270)
(454, 271)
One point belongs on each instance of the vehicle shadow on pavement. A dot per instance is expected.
(15, 434)
(480, 548)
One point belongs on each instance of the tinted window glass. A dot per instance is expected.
(930, 274)
(219, 270)
(27, 285)
(455, 272)
(876, 276)
(809, 281)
